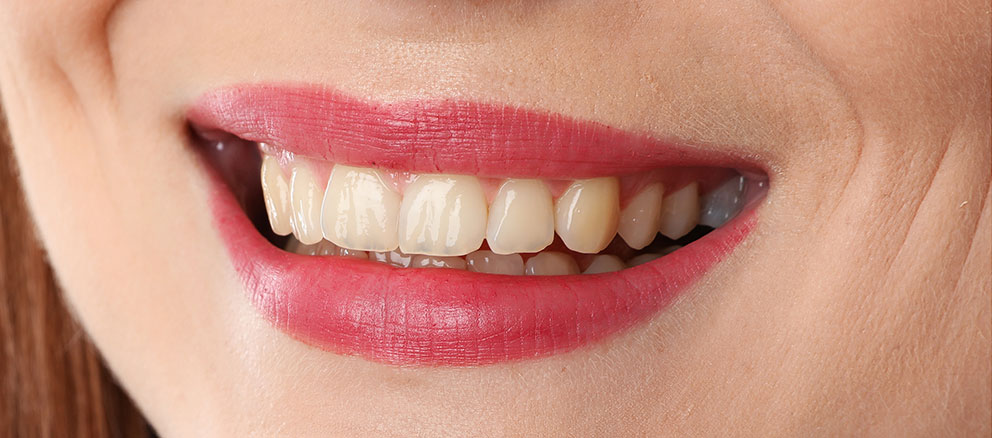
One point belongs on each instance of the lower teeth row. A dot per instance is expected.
(484, 261)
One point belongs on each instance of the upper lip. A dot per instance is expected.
(425, 316)
(447, 136)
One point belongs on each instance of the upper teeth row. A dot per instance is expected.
(448, 215)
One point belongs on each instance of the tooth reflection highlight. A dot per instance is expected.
(394, 258)
(442, 215)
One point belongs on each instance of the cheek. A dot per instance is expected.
(891, 57)
(119, 216)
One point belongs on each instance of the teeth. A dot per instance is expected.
(426, 261)
(641, 219)
(440, 220)
(275, 192)
(604, 263)
(491, 263)
(359, 210)
(442, 215)
(586, 215)
(723, 203)
(642, 259)
(305, 197)
(394, 258)
(680, 212)
(521, 218)
(551, 263)
(323, 248)
(345, 252)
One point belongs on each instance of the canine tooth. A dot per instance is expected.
(491, 263)
(442, 215)
(642, 259)
(551, 263)
(394, 258)
(426, 261)
(521, 217)
(305, 197)
(604, 263)
(586, 215)
(640, 220)
(275, 192)
(359, 210)
(680, 212)
(723, 203)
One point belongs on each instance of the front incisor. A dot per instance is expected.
(360, 211)
(586, 215)
(442, 215)
(521, 217)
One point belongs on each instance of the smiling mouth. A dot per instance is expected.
(458, 233)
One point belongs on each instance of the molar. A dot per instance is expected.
(442, 215)
(586, 215)
(680, 212)
(359, 211)
(521, 218)
(723, 203)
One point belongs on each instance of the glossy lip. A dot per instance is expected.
(442, 136)
(440, 316)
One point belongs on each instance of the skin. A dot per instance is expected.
(860, 305)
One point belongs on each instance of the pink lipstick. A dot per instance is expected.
(451, 317)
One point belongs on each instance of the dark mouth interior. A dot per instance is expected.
(238, 161)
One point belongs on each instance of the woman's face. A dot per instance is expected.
(856, 301)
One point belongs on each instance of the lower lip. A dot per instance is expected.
(450, 317)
